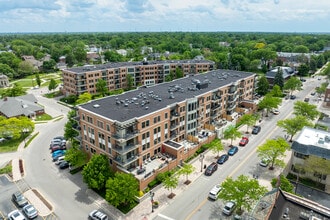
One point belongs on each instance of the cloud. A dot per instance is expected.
(7, 5)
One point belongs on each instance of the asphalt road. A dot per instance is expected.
(193, 203)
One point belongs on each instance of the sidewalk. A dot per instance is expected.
(144, 210)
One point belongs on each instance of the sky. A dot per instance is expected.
(42, 16)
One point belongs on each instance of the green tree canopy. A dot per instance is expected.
(279, 80)
(303, 69)
(269, 102)
(293, 84)
(305, 109)
(170, 183)
(122, 189)
(52, 85)
(318, 166)
(16, 90)
(216, 146)
(96, 172)
(248, 120)
(231, 132)
(285, 184)
(273, 150)
(83, 98)
(76, 156)
(38, 80)
(292, 125)
(244, 191)
(186, 169)
(276, 91)
(101, 87)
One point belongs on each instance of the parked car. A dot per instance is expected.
(264, 162)
(59, 160)
(215, 191)
(59, 138)
(57, 142)
(211, 169)
(58, 153)
(97, 215)
(244, 141)
(229, 208)
(313, 93)
(64, 164)
(256, 129)
(19, 199)
(222, 159)
(292, 97)
(275, 111)
(16, 215)
(57, 147)
(233, 150)
(30, 211)
(306, 100)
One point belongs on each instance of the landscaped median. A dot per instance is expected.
(39, 202)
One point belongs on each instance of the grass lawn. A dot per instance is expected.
(10, 145)
(43, 117)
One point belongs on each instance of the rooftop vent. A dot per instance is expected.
(96, 106)
(146, 108)
(126, 104)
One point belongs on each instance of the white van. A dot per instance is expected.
(214, 193)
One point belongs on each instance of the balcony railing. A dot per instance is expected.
(123, 161)
(127, 136)
(125, 149)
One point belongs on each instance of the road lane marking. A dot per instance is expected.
(236, 169)
(165, 217)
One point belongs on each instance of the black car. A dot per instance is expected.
(63, 165)
(211, 169)
(256, 129)
(292, 97)
(222, 159)
(19, 199)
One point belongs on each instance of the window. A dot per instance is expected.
(166, 115)
(145, 124)
(100, 124)
(299, 155)
(108, 127)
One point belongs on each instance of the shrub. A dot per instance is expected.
(153, 183)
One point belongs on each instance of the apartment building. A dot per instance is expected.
(311, 142)
(79, 80)
(154, 129)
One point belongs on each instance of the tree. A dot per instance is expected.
(130, 81)
(122, 189)
(269, 102)
(187, 169)
(285, 184)
(321, 89)
(216, 146)
(83, 98)
(247, 120)
(48, 66)
(303, 70)
(276, 91)
(305, 109)
(101, 87)
(38, 80)
(96, 172)
(6, 70)
(318, 166)
(170, 183)
(292, 125)
(293, 84)
(231, 133)
(244, 191)
(178, 73)
(25, 68)
(17, 90)
(263, 86)
(273, 150)
(278, 80)
(52, 85)
(69, 130)
(76, 156)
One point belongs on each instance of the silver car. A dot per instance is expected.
(30, 211)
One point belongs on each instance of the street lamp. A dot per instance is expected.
(152, 194)
(201, 158)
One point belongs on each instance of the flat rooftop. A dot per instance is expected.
(313, 142)
(87, 68)
(146, 100)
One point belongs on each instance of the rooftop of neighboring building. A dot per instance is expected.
(147, 100)
(286, 72)
(313, 141)
(278, 204)
(83, 69)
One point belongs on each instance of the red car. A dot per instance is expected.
(244, 141)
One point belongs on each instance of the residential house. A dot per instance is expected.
(4, 81)
(311, 142)
(287, 72)
(25, 105)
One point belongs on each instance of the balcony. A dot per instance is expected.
(124, 162)
(125, 149)
(124, 137)
(174, 115)
(174, 126)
